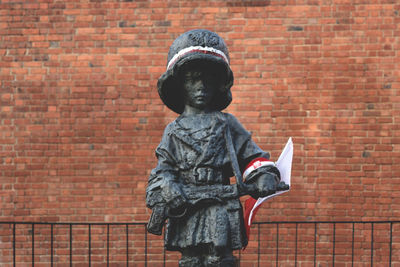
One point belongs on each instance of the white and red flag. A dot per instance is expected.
(284, 165)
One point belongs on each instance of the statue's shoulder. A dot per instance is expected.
(170, 126)
(231, 119)
(168, 131)
(175, 129)
(235, 126)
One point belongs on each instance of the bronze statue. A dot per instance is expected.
(199, 152)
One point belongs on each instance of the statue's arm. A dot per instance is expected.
(163, 185)
(163, 192)
(259, 172)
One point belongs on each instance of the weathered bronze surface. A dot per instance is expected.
(199, 152)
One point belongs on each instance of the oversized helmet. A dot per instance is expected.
(201, 47)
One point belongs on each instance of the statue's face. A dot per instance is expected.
(199, 86)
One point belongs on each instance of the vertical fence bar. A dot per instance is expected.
(390, 245)
(127, 245)
(108, 244)
(145, 246)
(277, 245)
(90, 240)
(164, 257)
(315, 244)
(295, 251)
(372, 244)
(352, 247)
(51, 242)
(14, 244)
(258, 249)
(70, 245)
(334, 244)
(240, 257)
(33, 244)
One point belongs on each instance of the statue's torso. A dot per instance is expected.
(202, 149)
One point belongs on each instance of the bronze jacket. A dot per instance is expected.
(193, 154)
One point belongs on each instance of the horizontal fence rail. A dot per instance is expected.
(282, 243)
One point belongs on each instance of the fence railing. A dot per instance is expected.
(277, 243)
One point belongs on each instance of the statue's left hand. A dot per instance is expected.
(266, 185)
(282, 186)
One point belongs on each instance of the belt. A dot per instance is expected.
(202, 176)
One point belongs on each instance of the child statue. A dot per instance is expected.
(199, 152)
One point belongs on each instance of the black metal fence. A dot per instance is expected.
(302, 243)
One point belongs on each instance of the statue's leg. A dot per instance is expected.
(188, 261)
(190, 258)
(228, 262)
(218, 261)
(220, 258)
(207, 257)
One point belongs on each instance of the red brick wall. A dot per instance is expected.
(80, 116)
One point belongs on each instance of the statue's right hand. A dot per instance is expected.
(177, 207)
(177, 202)
(175, 199)
(172, 193)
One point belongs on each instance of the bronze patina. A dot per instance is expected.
(200, 150)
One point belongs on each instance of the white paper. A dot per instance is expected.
(284, 165)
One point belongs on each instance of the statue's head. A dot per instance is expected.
(196, 49)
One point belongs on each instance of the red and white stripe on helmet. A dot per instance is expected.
(197, 49)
